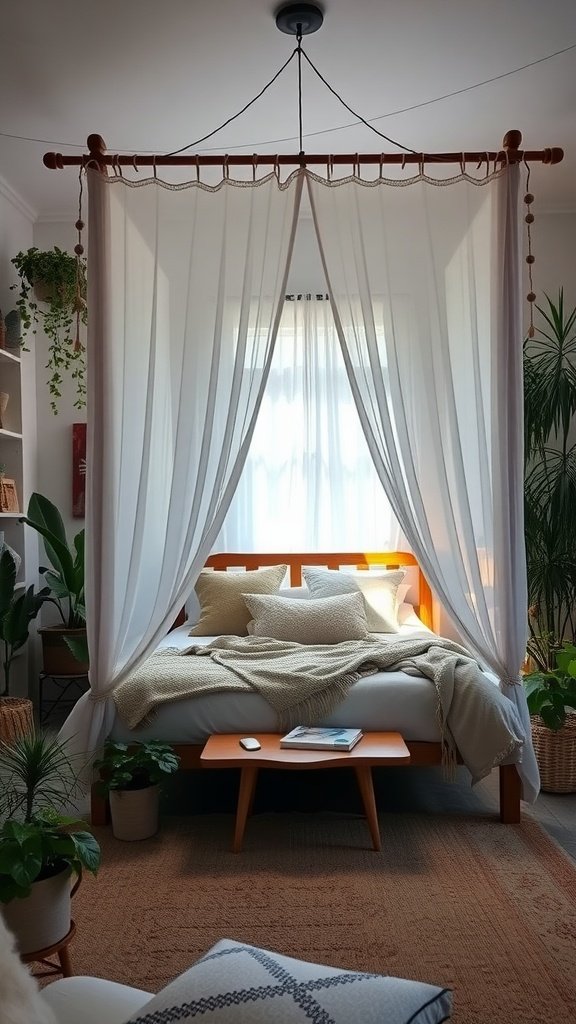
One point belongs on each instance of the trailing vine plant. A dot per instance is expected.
(52, 292)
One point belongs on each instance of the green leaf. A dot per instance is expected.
(79, 647)
(46, 519)
(553, 717)
(7, 580)
(87, 850)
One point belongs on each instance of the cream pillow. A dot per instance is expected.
(222, 609)
(379, 590)
(330, 620)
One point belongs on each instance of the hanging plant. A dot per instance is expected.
(52, 292)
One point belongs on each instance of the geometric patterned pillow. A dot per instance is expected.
(239, 984)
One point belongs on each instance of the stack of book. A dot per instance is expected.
(313, 738)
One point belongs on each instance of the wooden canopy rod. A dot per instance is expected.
(99, 157)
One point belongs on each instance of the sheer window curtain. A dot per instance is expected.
(440, 395)
(186, 287)
(309, 483)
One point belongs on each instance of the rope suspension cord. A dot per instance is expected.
(98, 157)
(299, 49)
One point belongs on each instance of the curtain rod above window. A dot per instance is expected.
(99, 157)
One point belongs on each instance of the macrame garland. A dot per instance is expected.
(79, 300)
(530, 258)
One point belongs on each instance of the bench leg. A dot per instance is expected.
(366, 787)
(65, 964)
(248, 776)
(510, 794)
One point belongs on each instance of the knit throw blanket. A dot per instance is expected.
(304, 684)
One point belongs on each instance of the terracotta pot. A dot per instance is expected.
(134, 812)
(43, 918)
(57, 658)
(16, 718)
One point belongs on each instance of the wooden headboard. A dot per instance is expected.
(332, 560)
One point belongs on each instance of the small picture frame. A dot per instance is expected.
(8, 495)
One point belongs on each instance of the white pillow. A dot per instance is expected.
(234, 983)
(331, 620)
(379, 590)
(407, 617)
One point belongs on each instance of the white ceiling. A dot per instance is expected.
(152, 75)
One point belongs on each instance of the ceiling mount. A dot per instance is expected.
(300, 19)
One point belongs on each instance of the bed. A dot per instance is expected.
(386, 701)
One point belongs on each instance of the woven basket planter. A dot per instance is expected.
(556, 755)
(16, 718)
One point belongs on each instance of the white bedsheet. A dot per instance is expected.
(386, 701)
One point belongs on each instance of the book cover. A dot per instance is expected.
(317, 738)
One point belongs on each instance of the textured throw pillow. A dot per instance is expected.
(379, 590)
(222, 609)
(239, 984)
(328, 621)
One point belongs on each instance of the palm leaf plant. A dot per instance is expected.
(17, 610)
(550, 480)
(38, 780)
(65, 574)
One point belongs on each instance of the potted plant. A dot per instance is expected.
(41, 850)
(17, 610)
(65, 649)
(57, 281)
(551, 697)
(130, 776)
(550, 480)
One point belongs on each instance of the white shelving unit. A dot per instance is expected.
(11, 451)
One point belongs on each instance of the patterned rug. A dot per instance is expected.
(487, 909)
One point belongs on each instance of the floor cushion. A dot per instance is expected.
(235, 984)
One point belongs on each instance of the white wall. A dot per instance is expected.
(16, 233)
(54, 477)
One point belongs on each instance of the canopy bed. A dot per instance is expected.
(386, 701)
(186, 287)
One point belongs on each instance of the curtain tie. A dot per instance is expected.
(511, 680)
(98, 698)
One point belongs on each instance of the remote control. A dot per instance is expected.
(249, 743)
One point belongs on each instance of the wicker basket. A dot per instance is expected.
(556, 755)
(16, 718)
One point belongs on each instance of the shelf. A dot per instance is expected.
(11, 515)
(10, 435)
(5, 355)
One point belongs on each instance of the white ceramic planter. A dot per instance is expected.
(43, 918)
(134, 812)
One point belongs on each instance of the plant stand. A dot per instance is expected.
(60, 950)
(16, 718)
(556, 755)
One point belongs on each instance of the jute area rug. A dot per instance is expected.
(485, 908)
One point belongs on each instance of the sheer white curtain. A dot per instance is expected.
(185, 294)
(440, 395)
(309, 482)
